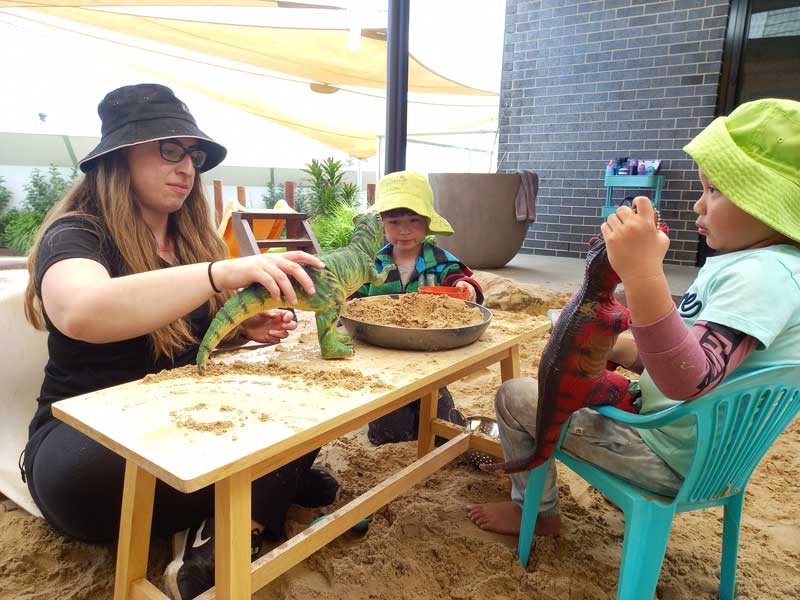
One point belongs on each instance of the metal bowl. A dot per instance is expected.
(487, 426)
(407, 338)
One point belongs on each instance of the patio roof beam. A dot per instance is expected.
(397, 85)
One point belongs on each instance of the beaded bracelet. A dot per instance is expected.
(211, 279)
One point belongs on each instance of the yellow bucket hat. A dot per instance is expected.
(407, 189)
(753, 157)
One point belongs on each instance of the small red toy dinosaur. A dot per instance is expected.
(573, 369)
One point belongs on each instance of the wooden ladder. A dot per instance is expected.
(298, 233)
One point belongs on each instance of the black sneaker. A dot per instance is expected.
(317, 487)
(191, 571)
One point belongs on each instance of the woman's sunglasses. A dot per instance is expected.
(173, 151)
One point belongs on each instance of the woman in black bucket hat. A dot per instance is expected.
(148, 112)
(125, 276)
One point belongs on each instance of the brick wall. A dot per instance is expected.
(584, 82)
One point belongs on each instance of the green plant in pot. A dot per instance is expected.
(334, 230)
(330, 203)
(325, 189)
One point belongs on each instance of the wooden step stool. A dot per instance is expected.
(250, 231)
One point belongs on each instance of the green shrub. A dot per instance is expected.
(42, 192)
(273, 193)
(5, 196)
(20, 232)
(334, 230)
(5, 219)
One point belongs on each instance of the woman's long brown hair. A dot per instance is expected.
(104, 196)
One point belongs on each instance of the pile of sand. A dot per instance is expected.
(414, 311)
(422, 546)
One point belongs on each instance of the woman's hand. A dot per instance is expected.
(269, 327)
(270, 270)
(635, 246)
(465, 285)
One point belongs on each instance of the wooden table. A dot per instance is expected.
(273, 420)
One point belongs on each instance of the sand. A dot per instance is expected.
(415, 311)
(422, 546)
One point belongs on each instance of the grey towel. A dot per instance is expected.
(525, 201)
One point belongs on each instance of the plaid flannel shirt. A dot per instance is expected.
(446, 270)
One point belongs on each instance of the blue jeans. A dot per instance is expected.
(612, 446)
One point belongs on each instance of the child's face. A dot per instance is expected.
(405, 232)
(727, 227)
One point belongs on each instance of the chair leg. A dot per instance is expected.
(647, 526)
(530, 512)
(730, 546)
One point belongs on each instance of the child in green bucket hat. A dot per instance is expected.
(405, 201)
(728, 322)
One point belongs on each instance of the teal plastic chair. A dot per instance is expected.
(736, 424)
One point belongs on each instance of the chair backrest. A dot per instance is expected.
(23, 355)
(736, 425)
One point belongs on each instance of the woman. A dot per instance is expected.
(125, 276)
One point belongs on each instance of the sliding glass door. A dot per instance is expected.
(762, 52)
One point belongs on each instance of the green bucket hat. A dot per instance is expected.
(407, 189)
(753, 157)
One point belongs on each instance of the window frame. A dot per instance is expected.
(732, 55)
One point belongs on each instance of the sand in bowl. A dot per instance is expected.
(416, 311)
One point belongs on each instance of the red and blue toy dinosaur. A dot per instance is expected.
(573, 371)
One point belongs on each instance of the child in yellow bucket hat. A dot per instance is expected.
(410, 190)
(405, 201)
(728, 322)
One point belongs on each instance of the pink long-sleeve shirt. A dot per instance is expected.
(686, 362)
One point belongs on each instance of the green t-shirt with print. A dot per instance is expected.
(756, 292)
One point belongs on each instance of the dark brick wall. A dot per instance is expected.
(584, 82)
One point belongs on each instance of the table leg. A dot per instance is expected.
(509, 367)
(427, 413)
(232, 537)
(134, 529)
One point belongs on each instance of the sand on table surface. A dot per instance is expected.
(423, 546)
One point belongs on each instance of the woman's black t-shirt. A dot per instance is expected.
(75, 367)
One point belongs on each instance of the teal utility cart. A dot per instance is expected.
(655, 182)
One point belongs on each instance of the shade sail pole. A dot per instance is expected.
(397, 85)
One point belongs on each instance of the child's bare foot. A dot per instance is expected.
(505, 518)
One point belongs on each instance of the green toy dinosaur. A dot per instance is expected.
(346, 269)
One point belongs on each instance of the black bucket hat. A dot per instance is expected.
(134, 114)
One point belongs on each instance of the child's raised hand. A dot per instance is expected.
(465, 285)
(635, 246)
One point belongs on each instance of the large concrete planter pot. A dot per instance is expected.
(480, 207)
